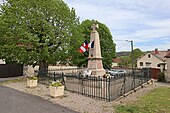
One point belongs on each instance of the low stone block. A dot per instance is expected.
(56, 91)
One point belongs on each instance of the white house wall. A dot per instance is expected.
(167, 73)
(153, 60)
(2, 62)
(114, 64)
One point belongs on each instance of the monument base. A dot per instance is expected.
(96, 66)
(99, 72)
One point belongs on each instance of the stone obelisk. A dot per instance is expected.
(95, 59)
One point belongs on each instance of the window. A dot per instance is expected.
(141, 63)
(148, 64)
(158, 65)
(149, 56)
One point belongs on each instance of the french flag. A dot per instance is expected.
(84, 47)
(91, 44)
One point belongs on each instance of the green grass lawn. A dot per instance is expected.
(158, 101)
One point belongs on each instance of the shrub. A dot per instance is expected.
(56, 84)
(161, 77)
(32, 77)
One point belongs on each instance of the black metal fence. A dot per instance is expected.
(108, 88)
(50, 78)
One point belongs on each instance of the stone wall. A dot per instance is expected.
(60, 69)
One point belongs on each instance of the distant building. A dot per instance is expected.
(2, 61)
(167, 73)
(116, 61)
(153, 59)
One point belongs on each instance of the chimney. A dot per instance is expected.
(156, 51)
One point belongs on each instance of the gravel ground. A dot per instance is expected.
(79, 102)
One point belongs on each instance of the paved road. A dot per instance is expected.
(13, 101)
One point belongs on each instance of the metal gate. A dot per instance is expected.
(154, 73)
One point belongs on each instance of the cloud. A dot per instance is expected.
(157, 31)
(1, 2)
(146, 22)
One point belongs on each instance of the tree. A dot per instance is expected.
(106, 41)
(127, 60)
(137, 53)
(124, 61)
(38, 32)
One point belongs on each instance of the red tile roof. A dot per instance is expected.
(160, 54)
(117, 60)
(167, 55)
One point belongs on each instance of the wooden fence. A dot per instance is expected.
(10, 70)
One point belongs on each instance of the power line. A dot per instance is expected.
(119, 40)
(124, 40)
(122, 45)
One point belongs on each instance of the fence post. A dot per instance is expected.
(109, 89)
(63, 78)
(81, 80)
(141, 77)
(54, 77)
(148, 74)
(134, 79)
(124, 82)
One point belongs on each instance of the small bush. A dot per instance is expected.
(32, 77)
(56, 84)
(161, 77)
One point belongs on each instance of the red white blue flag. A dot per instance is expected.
(84, 47)
(91, 44)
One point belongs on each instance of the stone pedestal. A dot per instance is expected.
(95, 59)
(96, 66)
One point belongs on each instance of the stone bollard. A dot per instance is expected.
(152, 81)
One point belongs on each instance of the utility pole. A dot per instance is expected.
(131, 41)
(133, 74)
(132, 56)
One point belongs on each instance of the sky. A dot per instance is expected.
(145, 22)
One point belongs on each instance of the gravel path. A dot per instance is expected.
(79, 102)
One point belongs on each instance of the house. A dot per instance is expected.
(153, 59)
(116, 61)
(167, 73)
